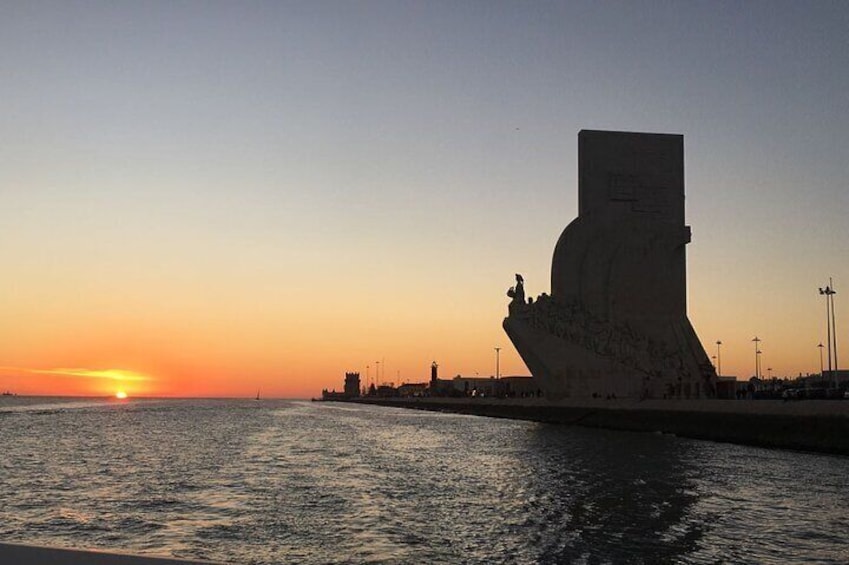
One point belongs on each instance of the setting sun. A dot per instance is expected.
(121, 394)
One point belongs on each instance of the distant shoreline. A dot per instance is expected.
(806, 425)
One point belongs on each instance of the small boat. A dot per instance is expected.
(8, 393)
(257, 395)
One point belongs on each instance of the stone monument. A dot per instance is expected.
(615, 324)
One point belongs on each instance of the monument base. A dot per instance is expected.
(575, 355)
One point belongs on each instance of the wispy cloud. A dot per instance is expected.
(112, 374)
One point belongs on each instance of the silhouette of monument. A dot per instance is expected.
(615, 324)
(352, 389)
(352, 385)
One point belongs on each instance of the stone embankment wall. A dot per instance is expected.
(808, 425)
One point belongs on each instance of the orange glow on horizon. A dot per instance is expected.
(78, 381)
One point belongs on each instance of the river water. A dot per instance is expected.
(300, 482)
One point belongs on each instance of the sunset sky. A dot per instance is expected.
(211, 198)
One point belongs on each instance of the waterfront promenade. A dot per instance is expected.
(807, 425)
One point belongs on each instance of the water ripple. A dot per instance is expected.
(271, 482)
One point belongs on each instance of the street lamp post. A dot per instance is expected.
(757, 362)
(830, 327)
(497, 362)
(822, 376)
(827, 293)
(718, 358)
(834, 332)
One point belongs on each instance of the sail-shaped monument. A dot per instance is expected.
(615, 323)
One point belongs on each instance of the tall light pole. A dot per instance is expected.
(497, 362)
(377, 374)
(834, 332)
(757, 361)
(827, 293)
(830, 327)
(718, 359)
(822, 376)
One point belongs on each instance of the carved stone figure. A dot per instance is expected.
(517, 293)
(615, 324)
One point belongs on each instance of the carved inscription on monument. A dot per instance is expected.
(645, 197)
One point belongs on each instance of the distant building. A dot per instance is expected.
(505, 387)
(460, 386)
(352, 389)
(726, 388)
(333, 395)
(840, 375)
(441, 387)
(444, 387)
(480, 386)
(352, 385)
(407, 390)
(521, 387)
(386, 391)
